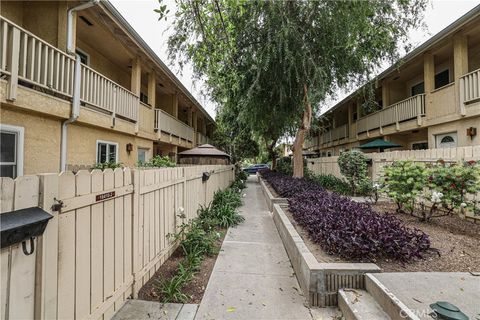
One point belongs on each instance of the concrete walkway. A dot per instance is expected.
(253, 277)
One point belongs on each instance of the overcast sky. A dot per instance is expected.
(139, 13)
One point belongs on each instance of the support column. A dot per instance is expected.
(152, 82)
(175, 105)
(385, 94)
(460, 67)
(350, 120)
(195, 126)
(204, 126)
(429, 81)
(190, 116)
(136, 81)
(61, 26)
(136, 76)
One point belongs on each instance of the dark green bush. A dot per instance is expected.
(332, 183)
(107, 165)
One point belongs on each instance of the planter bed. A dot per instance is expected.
(194, 289)
(271, 196)
(319, 280)
(457, 241)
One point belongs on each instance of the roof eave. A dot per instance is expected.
(451, 28)
(153, 56)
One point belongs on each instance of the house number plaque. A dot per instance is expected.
(105, 196)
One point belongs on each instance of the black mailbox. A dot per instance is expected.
(21, 225)
(205, 176)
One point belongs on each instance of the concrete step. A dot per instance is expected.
(390, 304)
(357, 304)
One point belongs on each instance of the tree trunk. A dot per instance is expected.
(300, 136)
(271, 153)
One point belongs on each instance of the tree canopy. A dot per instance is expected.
(274, 62)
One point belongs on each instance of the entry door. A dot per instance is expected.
(447, 140)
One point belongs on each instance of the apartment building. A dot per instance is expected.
(79, 86)
(431, 99)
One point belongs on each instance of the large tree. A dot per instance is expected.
(276, 61)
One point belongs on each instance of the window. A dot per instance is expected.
(419, 88)
(355, 116)
(447, 140)
(442, 79)
(107, 152)
(11, 151)
(143, 98)
(421, 145)
(84, 57)
(142, 155)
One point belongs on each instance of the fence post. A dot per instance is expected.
(137, 283)
(47, 255)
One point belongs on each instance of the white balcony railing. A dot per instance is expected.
(103, 93)
(27, 58)
(203, 139)
(411, 108)
(168, 124)
(470, 87)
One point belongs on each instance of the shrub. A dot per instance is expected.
(157, 162)
(107, 165)
(404, 182)
(454, 186)
(332, 183)
(285, 166)
(354, 230)
(353, 166)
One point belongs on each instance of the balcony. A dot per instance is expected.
(32, 62)
(169, 125)
(311, 142)
(203, 139)
(470, 87)
(408, 109)
(335, 134)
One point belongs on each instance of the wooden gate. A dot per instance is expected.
(106, 241)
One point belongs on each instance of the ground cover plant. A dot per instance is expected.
(286, 186)
(198, 239)
(349, 229)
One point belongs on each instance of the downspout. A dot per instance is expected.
(75, 112)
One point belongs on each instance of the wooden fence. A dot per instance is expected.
(108, 239)
(329, 165)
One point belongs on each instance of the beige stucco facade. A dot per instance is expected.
(434, 93)
(127, 95)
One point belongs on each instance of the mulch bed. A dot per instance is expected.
(456, 242)
(194, 289)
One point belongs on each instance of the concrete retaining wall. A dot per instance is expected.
(319, 281)
(271, 200)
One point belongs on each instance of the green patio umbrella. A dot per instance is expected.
(379, 144)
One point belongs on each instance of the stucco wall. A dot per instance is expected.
(82, 145)
(42, 140)
(31, 16)
(459, 126)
